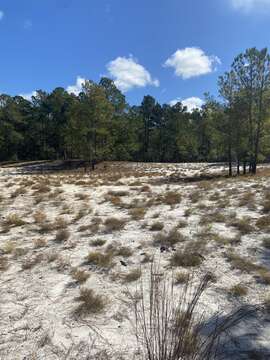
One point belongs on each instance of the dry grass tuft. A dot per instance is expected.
(238, 290)
(243, 225)
(3, 263)
(79, 275)
(90, 302)
(13, 220)
(39, 243)
(181, 277)
(62, 235)
(171, 198)
(157, 226)
(242, 263)
(263, 223)
(137, 213)
(98, 242)
(39, 217)
(99, 259)
(114, 224)
(169, 239)
(132, 276)
(185, 259)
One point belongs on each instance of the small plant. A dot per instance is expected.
(266, 243)
(98, 242)
(62, 235)
(264, 276)
(243, 225)
(263, 222)
(181, 278)
(99, 259)
(185, 259)
(137, 213)
(13, 220)
(90, 302)
(9, 247)
(169, 239)
(124, 251)
(39, 217)
(40, 242)
(80, 275)
(132, 276)
(172, 198)
(238, 290)
(157, 226)
(242, 263)
(3, 263)
(114, 224)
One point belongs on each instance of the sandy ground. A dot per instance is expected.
(38, 307)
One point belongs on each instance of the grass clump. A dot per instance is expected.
(124, 251)
(114, 224)
(157, 226)
(185, 259)
(266, 243)
(137, 213)
(13, 220)
(39, 217)
(181, 278)
(98, 242)
(3, 263)
(241, 263)
(80, 276)
(171, 198)
(62, 235)
(90, 302)
(169, 239)
(238, 290)
(263, 223)
(132, 276)
(99, 259)
(243, 225)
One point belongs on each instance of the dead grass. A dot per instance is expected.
(98, 242)
(238, 290)
(118, 193)
(90, 302)
(40, 243)
(185, 258)
(241, 263)
(137, 213)
(243, 225)
(62, 235)
(39, 217)
(132, 275)
(168, 239)
(263, 223)
(157, 226)
(114, 224)
(4, 265)
(101, 260)
(171, 198)
(79, 275)
(123, 251)
(13, 220)
(181, 278)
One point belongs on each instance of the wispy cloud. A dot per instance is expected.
(191, 103)
(1, 14)
(128, 74)
(250, 5)
(191, 62)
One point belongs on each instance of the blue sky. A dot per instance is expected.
(170, 49)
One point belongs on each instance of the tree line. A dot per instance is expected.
(98, 124)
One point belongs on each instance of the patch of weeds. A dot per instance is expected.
(79, 275)
(62, 235)
(157, 226)
(29, 263)
(181, 278)
(263, 222)
(266, 243)
(137, 213)
(124, 251)
(3, 263)
(185, 259)
(90, 302)
(238, 290)
(39, 243)
(39, 217)
(264, 276)
(169, 239)
(243, 225)
(242, 263)
(99, 259)
(98, 242)
(171, 198)
(132, 276)
(13, 220)
(114, 224)
(195, 196)
(9, 247)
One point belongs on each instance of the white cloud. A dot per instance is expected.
(28, 96)
(1, 14)
(191, 103)
(248, 5)
(191, 61)
(128, 74)
(77, 88)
